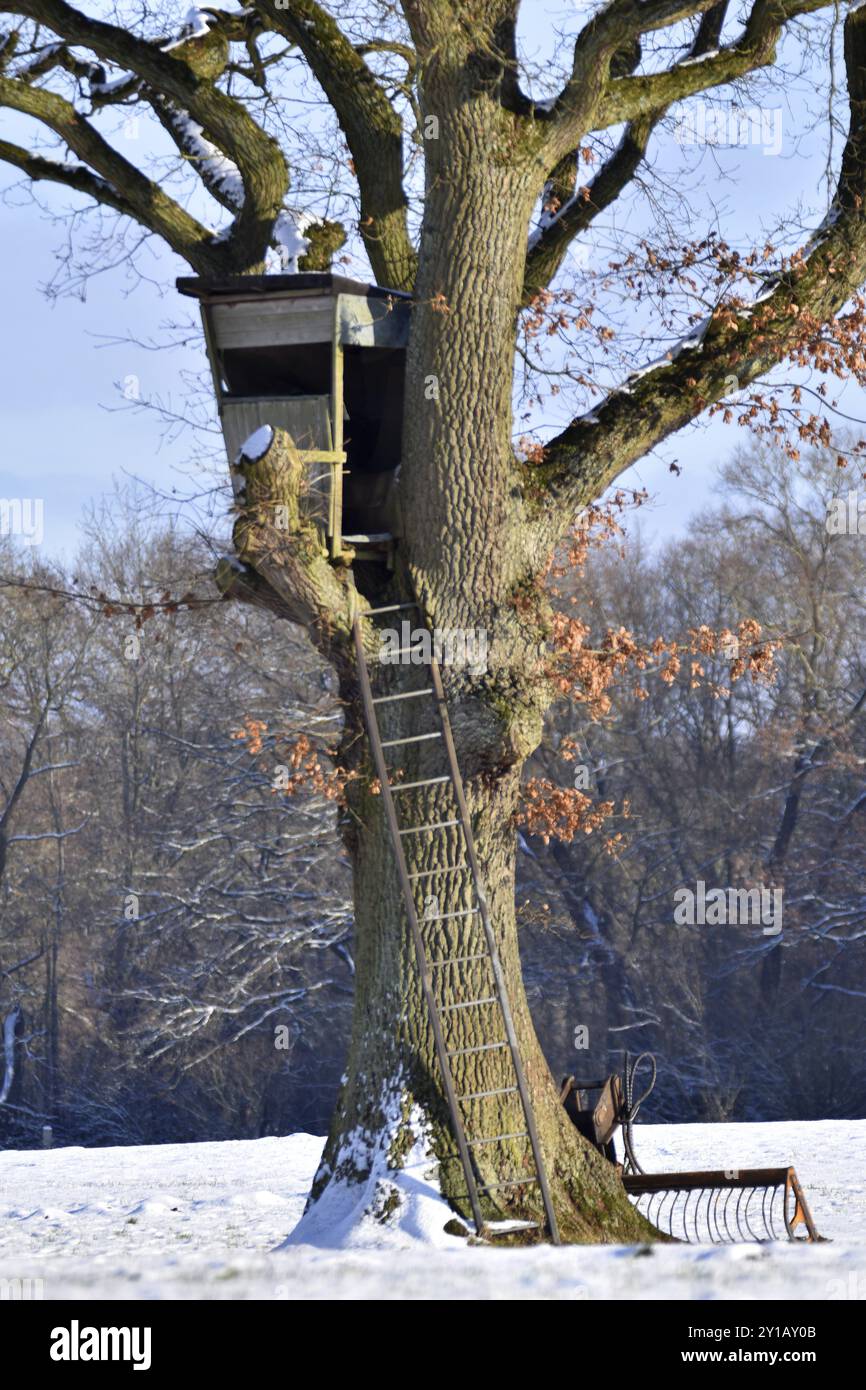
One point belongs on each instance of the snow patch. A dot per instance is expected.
(217, 171)
(549, 219)
(289, 239)
(693, 340)
(392, 1208)
(195, 25)
(256, 445)
(68, 1216)
(223, 178)
(107, 88)
(701, 58)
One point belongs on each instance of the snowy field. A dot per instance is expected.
(205, 1220)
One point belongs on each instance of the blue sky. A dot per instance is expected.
(66, 433)
(65, 438)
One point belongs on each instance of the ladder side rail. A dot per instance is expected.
(418, 940)
(463, 811)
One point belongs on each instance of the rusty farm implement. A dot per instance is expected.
(718, 1207)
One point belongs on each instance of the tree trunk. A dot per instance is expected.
(464, 553)
(392, 1096)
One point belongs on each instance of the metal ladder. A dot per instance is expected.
(487, 946)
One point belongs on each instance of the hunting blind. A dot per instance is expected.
(323, 358)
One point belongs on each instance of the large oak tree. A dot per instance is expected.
(469, 194)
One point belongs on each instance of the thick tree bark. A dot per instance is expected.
(463, 550)
(392, 1096)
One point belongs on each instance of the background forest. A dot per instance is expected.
(176, 932)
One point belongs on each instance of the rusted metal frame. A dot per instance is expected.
(802, 1213)
(417, 938)
(499, 979)
(744, 1177)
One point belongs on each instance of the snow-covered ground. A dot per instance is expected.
(205, 1220)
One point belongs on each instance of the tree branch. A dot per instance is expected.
(628, 97)
(284, 564)
(576, 109)
(580, 208)
(116, 183)
(75, 176)
(373, 131)
(185, 74)
(587, 456)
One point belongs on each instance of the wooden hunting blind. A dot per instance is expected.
(323, 358)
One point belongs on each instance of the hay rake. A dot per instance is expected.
(721, 1207)
(725, 1207)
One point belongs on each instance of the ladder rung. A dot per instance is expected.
(391, 607)
(470, 1003)
(443, 916)
(484, 1047)
(506, 1228)
(446, 869)
(435, 825)
(510, 1182)
(518, 1134)
(401, 651)
(479, 1095)
(456, 960)
(427, 782)
(405, 695)
(416, 738)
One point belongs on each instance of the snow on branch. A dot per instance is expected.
(219, 174)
